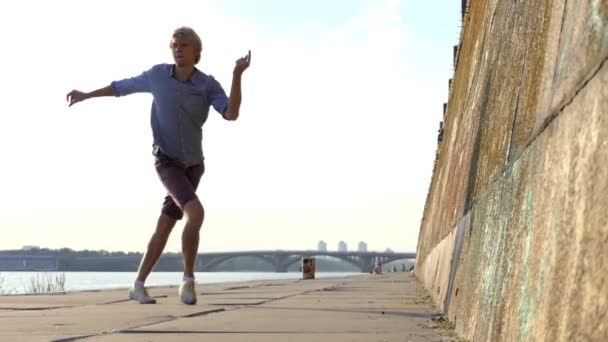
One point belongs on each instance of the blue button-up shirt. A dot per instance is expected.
(179, 108)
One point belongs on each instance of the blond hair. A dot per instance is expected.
(183, 33)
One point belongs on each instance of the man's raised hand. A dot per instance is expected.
(242, 64)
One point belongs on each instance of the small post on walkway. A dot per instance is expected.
(308, 268)
(378, 266)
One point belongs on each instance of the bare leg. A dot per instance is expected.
(156, 246)
(195, 214)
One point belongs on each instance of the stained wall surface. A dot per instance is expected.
(513, 243)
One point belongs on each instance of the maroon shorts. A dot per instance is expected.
(181, 183)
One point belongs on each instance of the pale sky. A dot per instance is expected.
(336, 138)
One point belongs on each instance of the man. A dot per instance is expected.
(182, 97)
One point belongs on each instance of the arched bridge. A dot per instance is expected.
(281, 260)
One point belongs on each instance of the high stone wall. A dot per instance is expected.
(513, 243)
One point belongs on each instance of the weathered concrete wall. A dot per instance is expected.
(514, 239)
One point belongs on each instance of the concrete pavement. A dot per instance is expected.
(390, 307)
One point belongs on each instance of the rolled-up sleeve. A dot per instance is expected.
(136, 84)
(217, 97)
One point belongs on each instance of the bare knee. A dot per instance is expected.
(194, 212)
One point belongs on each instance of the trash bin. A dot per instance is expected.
(308, 268)
(378, 266)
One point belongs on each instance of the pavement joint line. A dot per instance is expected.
(75, 338)
(380, 312)
(290, 295)
(40, 308)
(203, 313)
(225, 293)
(199, 314)
(128, 330)
(122, 331)
(201, 332)
(257, 285)
(236, 304)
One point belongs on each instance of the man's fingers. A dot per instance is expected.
(243, 62)
(73, 99)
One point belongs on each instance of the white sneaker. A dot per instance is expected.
(140, 294)
(187, 293)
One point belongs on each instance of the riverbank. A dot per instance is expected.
(12, 283)
(390, 307)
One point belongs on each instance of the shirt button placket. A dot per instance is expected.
(180, 120)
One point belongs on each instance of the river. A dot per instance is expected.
(21, 282)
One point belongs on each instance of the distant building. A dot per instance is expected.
(322, 246)
(342, 247)
(388, 250)
(30, 248)
(362, 247)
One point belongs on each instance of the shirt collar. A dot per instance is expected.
(193, 77)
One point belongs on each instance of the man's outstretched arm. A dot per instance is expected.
(76, 96)
(234, 101)
(123, 87)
